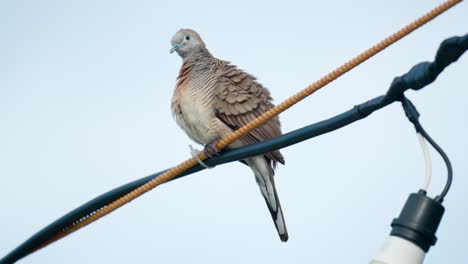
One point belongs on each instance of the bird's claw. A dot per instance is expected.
(210, 149)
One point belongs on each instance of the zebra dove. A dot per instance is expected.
(212, 98)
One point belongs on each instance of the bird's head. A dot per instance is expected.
(185, 41)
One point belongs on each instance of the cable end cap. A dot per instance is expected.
(419, 220)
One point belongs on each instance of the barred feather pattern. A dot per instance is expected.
(211, 99)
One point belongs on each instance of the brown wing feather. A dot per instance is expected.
(238, 100)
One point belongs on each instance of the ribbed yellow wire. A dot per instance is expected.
(175, 171)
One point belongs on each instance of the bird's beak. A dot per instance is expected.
(175, 47)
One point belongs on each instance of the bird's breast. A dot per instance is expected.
(193, 111)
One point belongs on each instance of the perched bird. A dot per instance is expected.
(212, 98)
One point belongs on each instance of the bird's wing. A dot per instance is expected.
(238, 100)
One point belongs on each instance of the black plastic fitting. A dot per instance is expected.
(419, 220)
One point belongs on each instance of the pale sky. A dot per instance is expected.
(85, 89)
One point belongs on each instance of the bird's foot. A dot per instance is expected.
(210, 149)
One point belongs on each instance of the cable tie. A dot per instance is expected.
(194, 152)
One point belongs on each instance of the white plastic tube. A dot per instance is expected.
(427, 159)
(397, 250)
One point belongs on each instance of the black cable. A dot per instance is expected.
(413, 116)
(419, 76)
(440, 198)
(356, 113)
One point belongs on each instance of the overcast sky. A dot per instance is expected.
(85, 89)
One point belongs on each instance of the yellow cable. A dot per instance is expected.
(175, 171)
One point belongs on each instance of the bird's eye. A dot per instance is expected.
(187, 37)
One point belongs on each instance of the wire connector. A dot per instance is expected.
(411, 112)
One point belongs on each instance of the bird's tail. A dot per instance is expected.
(278, 218)
(264, 176)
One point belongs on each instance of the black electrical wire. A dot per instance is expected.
(444, 156)
(413, 116)
(419, 76)
(299, 135)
